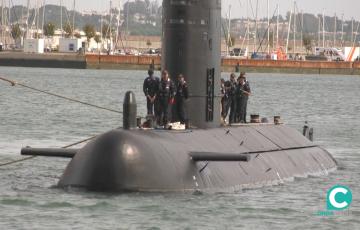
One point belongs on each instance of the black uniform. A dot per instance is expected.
(151, 88)
(232, 101)
(166, 92)
(243, 100)
(225, 100)
(182, 94)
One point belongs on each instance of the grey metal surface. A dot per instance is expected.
(191, 46)
(158, 160)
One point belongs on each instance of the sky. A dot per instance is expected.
(348, 8)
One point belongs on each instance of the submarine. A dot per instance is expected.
(207, 156)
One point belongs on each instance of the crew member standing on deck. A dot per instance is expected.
(244, 89)
(181, 96)
(223, 100)
(231, 87)
(165, 97)
(150, 88)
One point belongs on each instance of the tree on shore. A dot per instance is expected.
(271, 39)
(77, 35)
(106, 31)
(307, 43)
(89, 31)
(15, 31)
(148, 43)
(97, 39)
(49, 29)
(68, 30)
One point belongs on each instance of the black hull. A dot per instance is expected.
(160, 161)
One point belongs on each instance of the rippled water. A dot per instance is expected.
(29, 200)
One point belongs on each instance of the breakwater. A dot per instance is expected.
(130, 62)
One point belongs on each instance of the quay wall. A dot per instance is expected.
(229, 64)
(94, 61)
(70, 61)
(122, 62)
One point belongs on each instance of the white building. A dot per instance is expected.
(67, 45)
(32, 45)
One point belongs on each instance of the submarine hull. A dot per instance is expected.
(161, 160)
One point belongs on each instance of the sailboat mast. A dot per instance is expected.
(256, 25)
(323, 28)
(117, 26)
(2, 20)
(73, 22)
(294, 50)
(9, 13)
(342, 30)
(302, 28)
(288, 34)
(43, 18)
(335, 30)
(352, 30)
(61, 19)
(37, 17)
(319, 28)
(228, 40)
(127, 23)
(248, 26)
(268, 26)
(27, 19)
(109, 28)
(277, 26)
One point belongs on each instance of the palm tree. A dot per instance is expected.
(15, 32)
(68, 30)
(97, 39)
(49, 29)
(89, 31)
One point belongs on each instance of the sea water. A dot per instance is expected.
(29, 198)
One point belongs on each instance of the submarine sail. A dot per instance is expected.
(191, 46)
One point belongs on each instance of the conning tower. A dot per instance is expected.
(191, 46)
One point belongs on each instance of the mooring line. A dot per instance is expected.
(14, 83)
(32, 157)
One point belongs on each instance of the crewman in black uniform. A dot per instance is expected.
(244, 89)
(181, 96)
(226, 99)
(238, 95)
(165, 97)
(151, 88)
(231, 87)
(223, 99)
